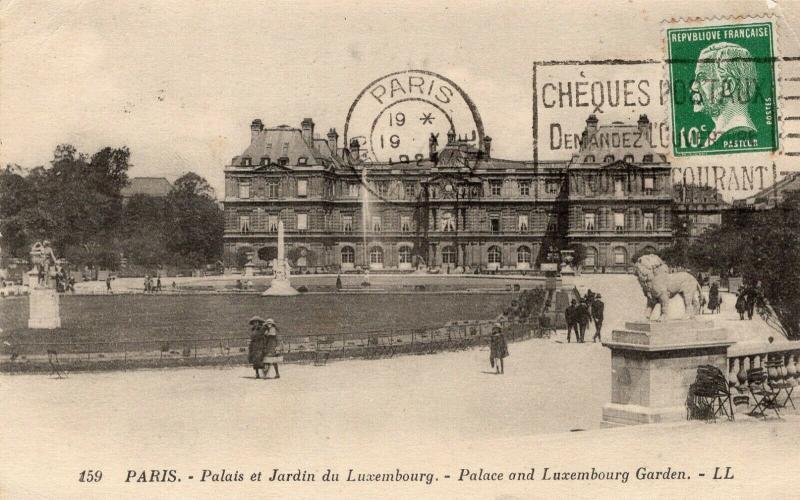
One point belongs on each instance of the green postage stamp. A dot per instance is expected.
(723, 87)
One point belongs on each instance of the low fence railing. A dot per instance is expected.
(317, 348)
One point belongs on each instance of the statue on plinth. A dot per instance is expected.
(43, 260)
(659, 285)
(281, 271)
(44, 305)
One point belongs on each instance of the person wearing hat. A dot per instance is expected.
(597, 314)
(271, 356)
(498, 348)
(572, 323)
(258, 345)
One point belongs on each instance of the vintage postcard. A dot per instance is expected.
(347, 249)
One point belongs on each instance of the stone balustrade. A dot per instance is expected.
(744, 356)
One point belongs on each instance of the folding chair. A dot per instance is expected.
(764, 397)
(778, 382)
(55, 364)
(712, 386)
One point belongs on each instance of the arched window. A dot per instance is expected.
(648, 250)
(495, 255)
(591, 257)
(588, 159)
(348, 255)
(608, 159)
(376, 255)
(448, 255)
(405, 255)
(628, 158)
(620, 256)
(523, 255)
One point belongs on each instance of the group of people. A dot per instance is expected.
(580, 313)
(747, 299)
(263, 349)
(150, 286)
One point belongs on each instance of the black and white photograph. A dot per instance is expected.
(349, 249)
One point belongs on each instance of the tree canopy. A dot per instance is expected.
(77, 204)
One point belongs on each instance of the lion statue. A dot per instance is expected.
(659, 285)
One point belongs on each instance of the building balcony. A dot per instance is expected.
(624, 233)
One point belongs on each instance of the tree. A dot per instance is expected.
(196, 222)
(761, 247)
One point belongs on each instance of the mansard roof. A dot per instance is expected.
(287, 142)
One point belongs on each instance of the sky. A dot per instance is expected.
(179, 82)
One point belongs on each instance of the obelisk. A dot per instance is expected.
(281, 271)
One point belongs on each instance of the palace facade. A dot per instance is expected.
(459, 209)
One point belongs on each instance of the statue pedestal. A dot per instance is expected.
(249, 269)
(653, 364)
(44, 309)
(280, 287)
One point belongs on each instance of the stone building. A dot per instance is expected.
(458, 209)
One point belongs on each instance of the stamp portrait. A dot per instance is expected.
(723, 88)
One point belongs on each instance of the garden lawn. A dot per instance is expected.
(110, 318)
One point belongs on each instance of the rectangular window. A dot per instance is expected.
(405, 224)
(376, 223)
(382, 188)
(524, 188)
(244, 190)
(265, 160)
(302, 187)
(552, 226)
(272, 189)
(448, 222)
(618, 188)
(246, 162)
(244, 223)
(619, 257)
(285, 149)
(302, 222)
(522, 223)
(552, 187)
(497, 188)
(494, 224)
(272, 224)
(619, 221)
(649, 185)
(347, 223)
(411, 191)
(649, 221)
(589, 221)
(353, 189)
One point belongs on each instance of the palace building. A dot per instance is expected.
(458, 209)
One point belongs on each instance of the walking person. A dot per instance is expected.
(569, 315)
(158, 284)
(582, 316)
(108, 284)
(741, 304)
(258, 345)
(714, 299)
(498, 349)
(271, 356)
(597, 313)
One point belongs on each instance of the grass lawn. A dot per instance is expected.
(110, 318)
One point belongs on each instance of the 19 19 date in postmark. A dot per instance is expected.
(723, 86)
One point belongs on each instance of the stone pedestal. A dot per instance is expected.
(249, 269)
(44, 309)
(653, 364)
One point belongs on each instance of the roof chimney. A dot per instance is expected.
(487, 146)
(333, 140)
(308, 130)
(644, 128)
(355, 147)
(255, 128)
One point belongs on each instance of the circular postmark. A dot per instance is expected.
(394, 117)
